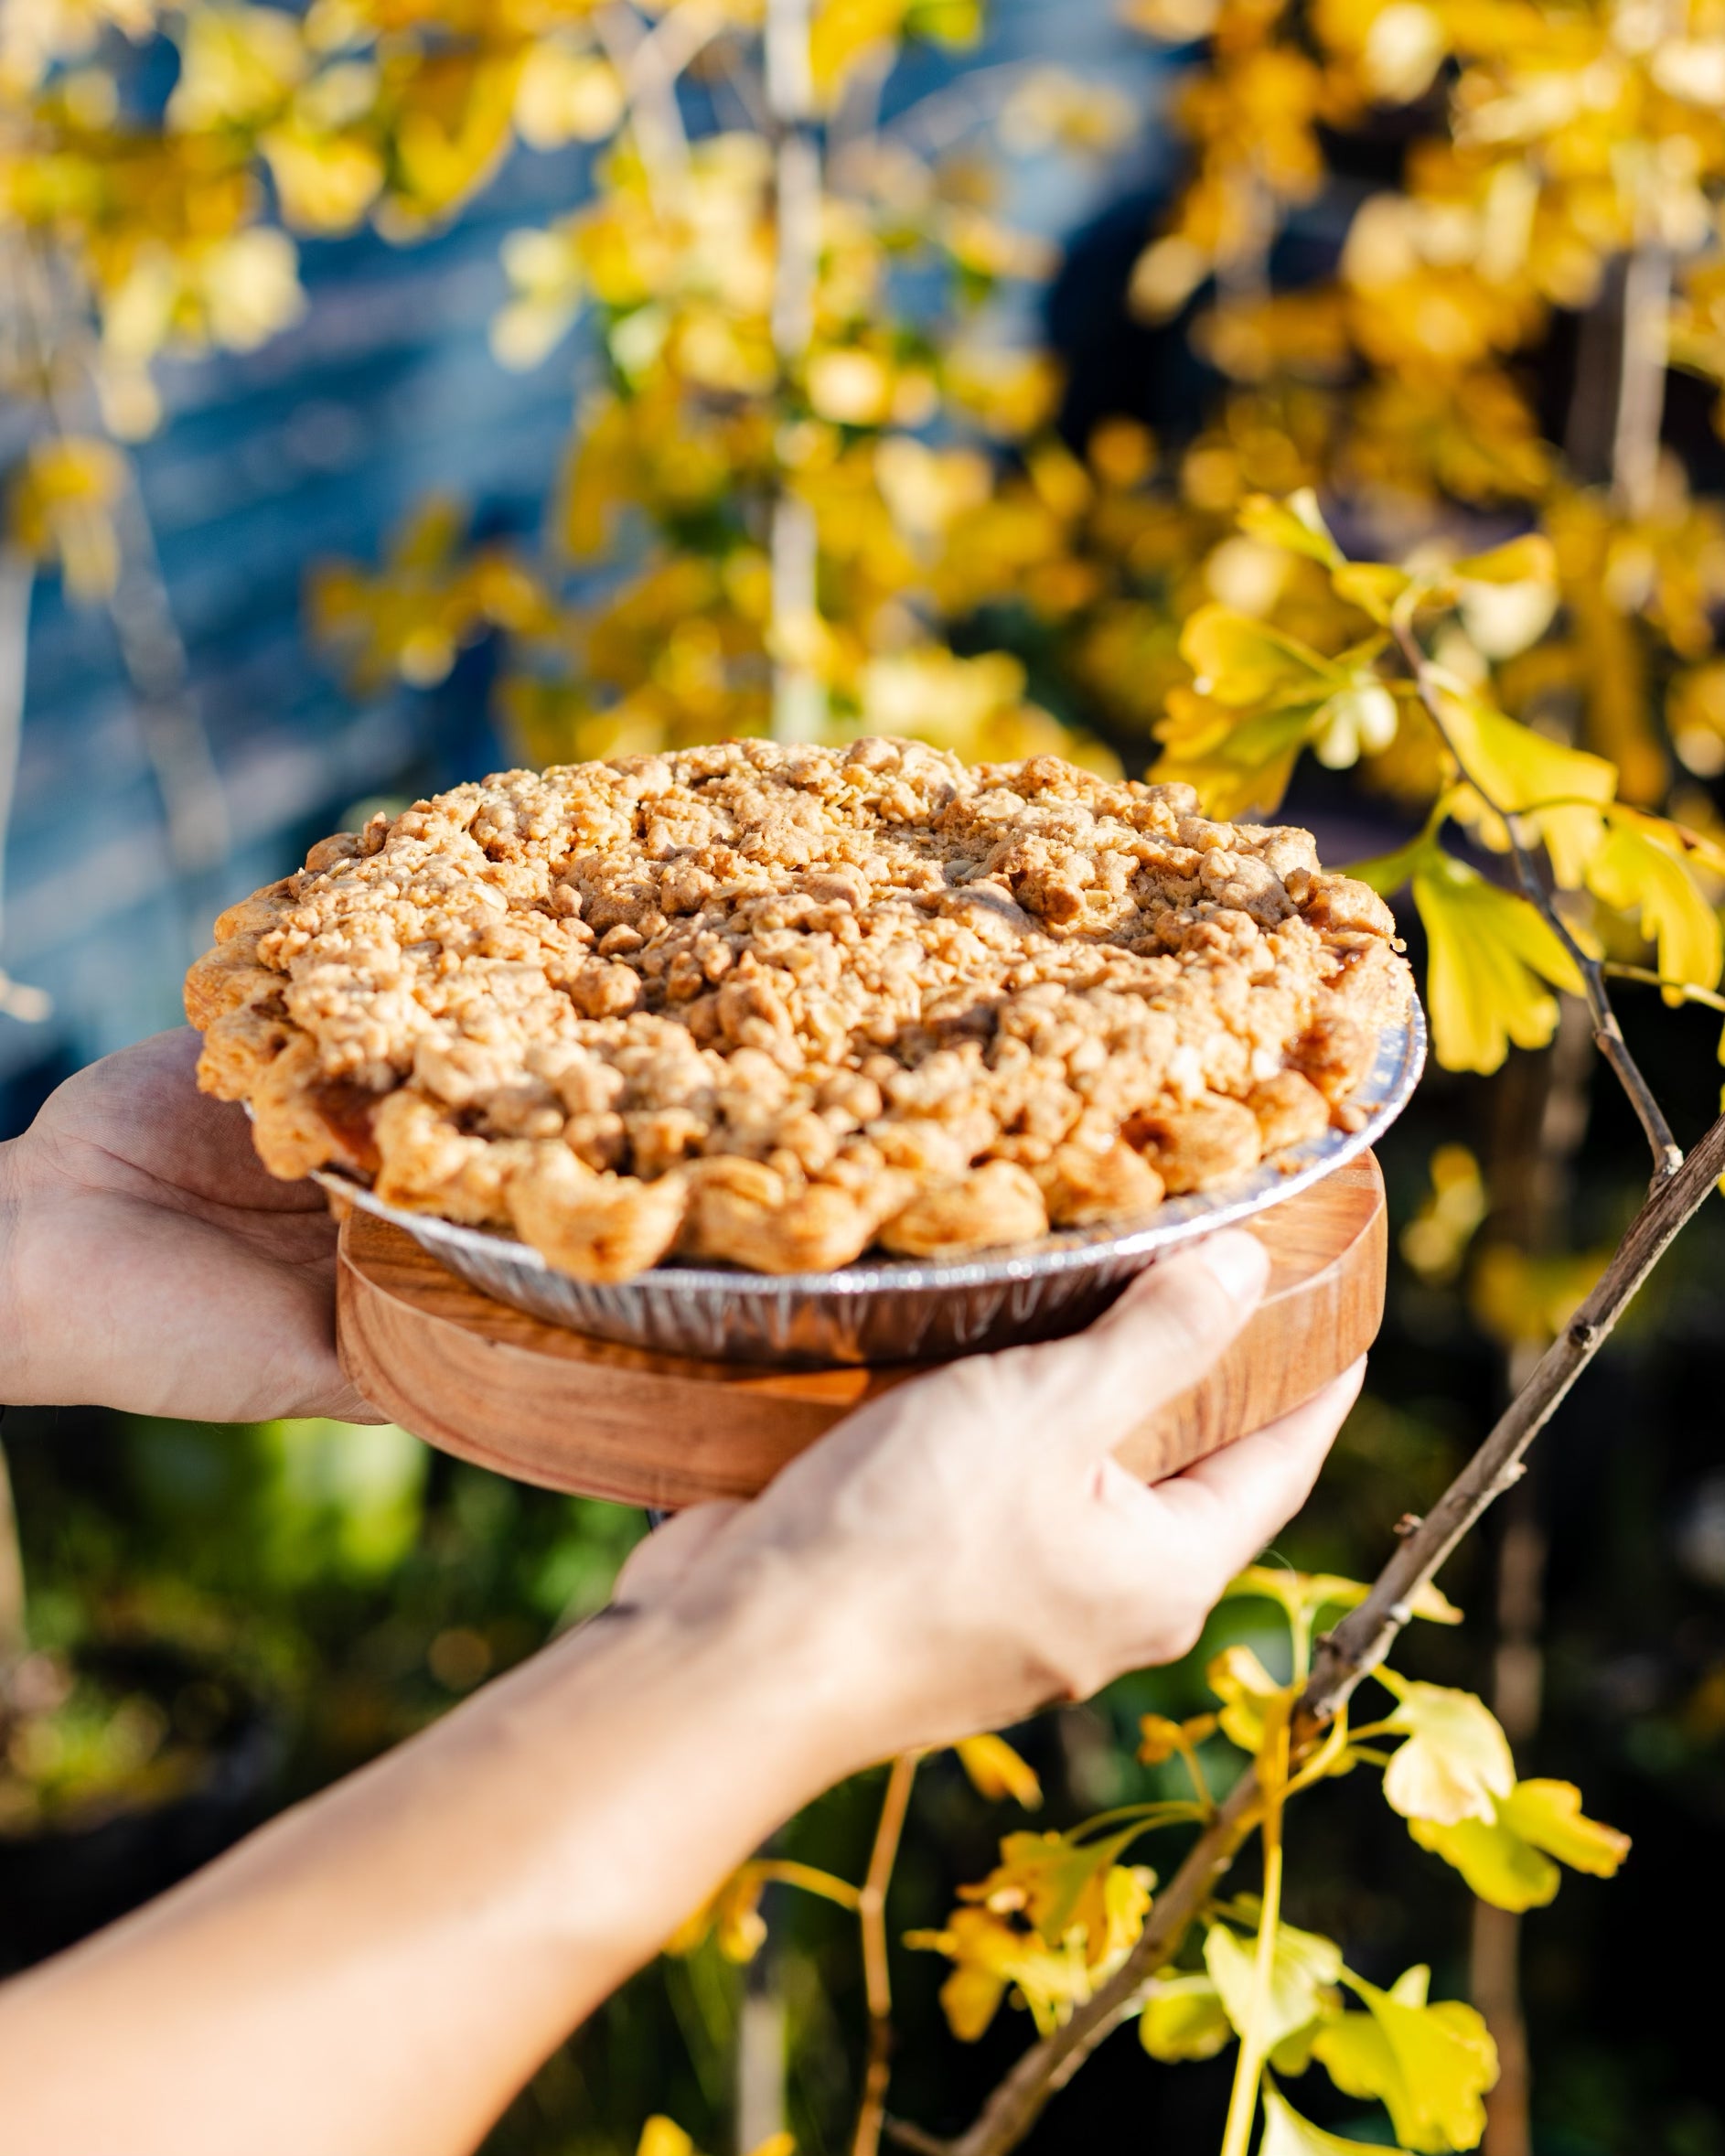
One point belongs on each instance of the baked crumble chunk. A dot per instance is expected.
(776, 1004)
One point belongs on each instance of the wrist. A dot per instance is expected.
(810, 1648)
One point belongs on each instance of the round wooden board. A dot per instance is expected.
(549, 1406)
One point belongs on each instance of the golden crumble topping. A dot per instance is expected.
(775, 1005)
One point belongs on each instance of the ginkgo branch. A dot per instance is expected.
(876, 1973)
(1667, 1155)
(1363, 1636)
(1691, 992)
(1045, 2068)
(1346, 1658)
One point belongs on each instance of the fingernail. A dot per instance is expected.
(1238, 1263)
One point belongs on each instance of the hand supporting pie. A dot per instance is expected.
(377, 1971)
(148, 1262)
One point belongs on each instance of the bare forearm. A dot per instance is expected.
(377, 1973)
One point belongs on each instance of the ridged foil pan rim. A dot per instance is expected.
(1382, 1095)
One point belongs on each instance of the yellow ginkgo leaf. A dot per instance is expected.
(1304, 1970)
(1455, 1761)
(1361, 720)
(1303, 1594)
(1641, 867)
(1429, 2065)
(1531, 559)
(1507, 598)
(1236, 764)
(1286, 2133)
(565, 94)
(993, 1954)
(1251, 1699)
(1490, 954)
(663, 2136)
(60, 508)
(236, 65)
(1508, 1861)
(732, 1917)
(1065, 1888)
(1549, 1815)
(997, 1771)
(1183, 2018)
(1160, 1738)
(325, 183)
(1241, 662)
(1373, 586)
(1297, 525)
(1513, 771)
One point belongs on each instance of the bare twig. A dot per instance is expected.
(907, 2136)
(1668, 1154)
(876, 1973)
(1365, 1635)
(1346, 1658)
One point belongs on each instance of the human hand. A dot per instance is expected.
(967, 1549)
(148, 1262)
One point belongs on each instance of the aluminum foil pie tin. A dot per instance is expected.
(900, 1310)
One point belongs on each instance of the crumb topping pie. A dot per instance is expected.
(778, 1004)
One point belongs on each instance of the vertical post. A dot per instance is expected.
(799, 702)
(761, 2049)
(1641, 380)
(17, 576)
(1543, 1128)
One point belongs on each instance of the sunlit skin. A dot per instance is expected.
(377, 1971)
(203, 1286)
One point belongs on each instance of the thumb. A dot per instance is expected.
(1091, 1390)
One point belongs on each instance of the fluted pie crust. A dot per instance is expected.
(778, 1004)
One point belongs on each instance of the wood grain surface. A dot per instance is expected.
(552, 1407)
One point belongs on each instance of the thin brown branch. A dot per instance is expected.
(906, 2136)
(1365, 1635)
(1667, 1153)
(876, 1973)
(1346, 1656)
